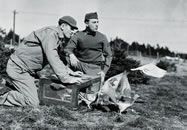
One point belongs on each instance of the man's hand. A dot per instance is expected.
(73, 60)
(76, 74)
(75, 80)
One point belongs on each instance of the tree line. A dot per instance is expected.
(136, 48)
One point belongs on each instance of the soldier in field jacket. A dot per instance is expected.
(37, 50)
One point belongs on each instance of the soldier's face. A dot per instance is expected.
(93, 24)
(67, 30)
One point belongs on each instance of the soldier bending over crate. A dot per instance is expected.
(36, 50)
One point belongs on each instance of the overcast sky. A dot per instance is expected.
(145, 21)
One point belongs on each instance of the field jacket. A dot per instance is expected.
(40, 48)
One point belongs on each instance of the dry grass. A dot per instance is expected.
(164, 107)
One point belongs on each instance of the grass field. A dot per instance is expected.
(163, 106)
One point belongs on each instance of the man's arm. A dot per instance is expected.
(49, 46)
(69, 50)
(107, 53)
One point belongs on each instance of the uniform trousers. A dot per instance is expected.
(26, 90)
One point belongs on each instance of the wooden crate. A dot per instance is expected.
(52, 91)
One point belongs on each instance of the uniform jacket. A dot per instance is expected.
(40, 48)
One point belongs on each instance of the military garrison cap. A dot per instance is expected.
(91, 16)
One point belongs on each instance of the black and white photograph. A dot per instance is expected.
(93, 65)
